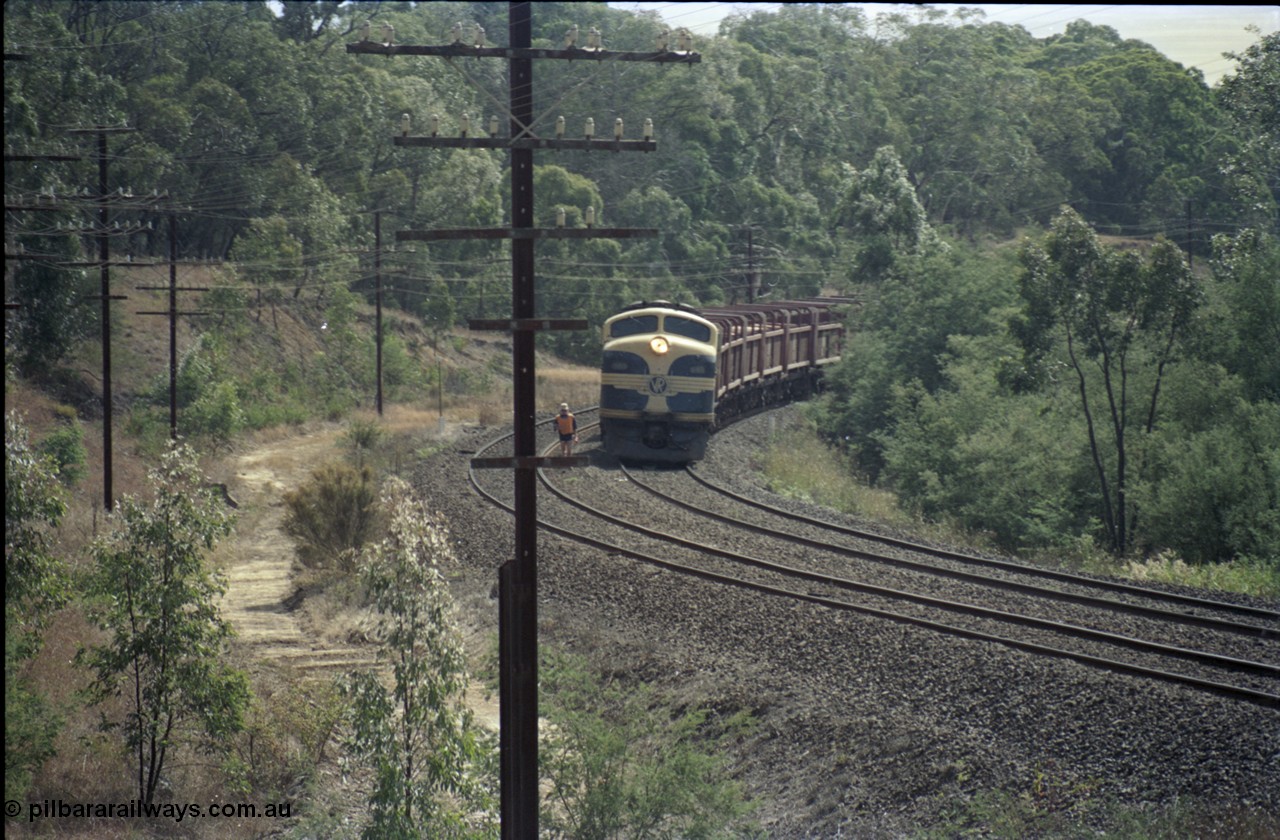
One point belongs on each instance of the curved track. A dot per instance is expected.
(1214, 646)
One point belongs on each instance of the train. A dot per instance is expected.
(671, 374)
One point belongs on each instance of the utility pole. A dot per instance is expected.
(103, 235)
(172, 314)
(517, 578)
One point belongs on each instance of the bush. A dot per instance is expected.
(618, 763)
(65, 447)
(332, 514)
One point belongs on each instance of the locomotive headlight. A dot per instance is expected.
(659, 345)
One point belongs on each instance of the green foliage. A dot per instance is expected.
(621, 765)
(1211, 492)
(430, 765)
(363, 436)
(285, 737)
(35, 586)
(1243, 330)
(216, 414)
(153, 594)
(882, 209)
(35, 583)
(1116, 320)
(65, 447)
(52, 315)
(332, 514)
(30, 723)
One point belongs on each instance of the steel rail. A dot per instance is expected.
(1203, 657)
(1237, 692)
(1208, 622)
(1053, 574)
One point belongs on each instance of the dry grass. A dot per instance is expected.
(804, 467)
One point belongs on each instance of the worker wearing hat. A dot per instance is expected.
(567, 426)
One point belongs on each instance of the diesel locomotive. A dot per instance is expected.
(671, 374)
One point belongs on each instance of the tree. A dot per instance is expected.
(881, 208)
(153, 594)
(35, 585)
(429, 764)
(1119, 321)
(1248, 98)
(52, 316)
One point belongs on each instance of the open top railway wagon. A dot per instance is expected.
(671, 374)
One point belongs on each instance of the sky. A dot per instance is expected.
(1193, 36)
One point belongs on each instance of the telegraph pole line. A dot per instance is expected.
(517, 590)
(103, 237)
(172, 314)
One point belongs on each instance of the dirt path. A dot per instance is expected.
(261, 597)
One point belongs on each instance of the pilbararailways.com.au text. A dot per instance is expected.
(49, 809)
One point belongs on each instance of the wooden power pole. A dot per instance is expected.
(517, 578)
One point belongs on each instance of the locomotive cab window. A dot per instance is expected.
(676, 325)
(634, 325)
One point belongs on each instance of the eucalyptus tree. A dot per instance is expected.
(36, 586)
(430, 766)
(1248, 98)
(961, 93)
(154, 594)
(1116, 321)
(1159, 135)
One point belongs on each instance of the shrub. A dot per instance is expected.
(332, 514)
(65, 447)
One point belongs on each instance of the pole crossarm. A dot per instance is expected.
(605, 145)
(444, 234)
(463, 51)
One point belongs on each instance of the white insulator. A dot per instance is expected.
(464, 125)
(435, 124)
(664, 40)
(559, 217)
(493, 126)
(388, 34)
(571, 37)
(404, 125)
(478, 37)
(559, 127)
(589, 130)
(455, 34)
(648, 129)
(684, 40)
(591, 216)
(617, 129)
(364, 31)
(593, 39)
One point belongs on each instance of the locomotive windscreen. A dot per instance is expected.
(676, 325)
(634, 325)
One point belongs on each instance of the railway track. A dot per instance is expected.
(1218, 647)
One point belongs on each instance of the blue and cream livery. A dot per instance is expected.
(657, 383)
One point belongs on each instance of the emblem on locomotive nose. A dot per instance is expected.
(657, 385)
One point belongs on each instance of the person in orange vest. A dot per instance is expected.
(567, 425)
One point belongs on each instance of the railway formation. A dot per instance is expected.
(1207, 654)
(1217, 646)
